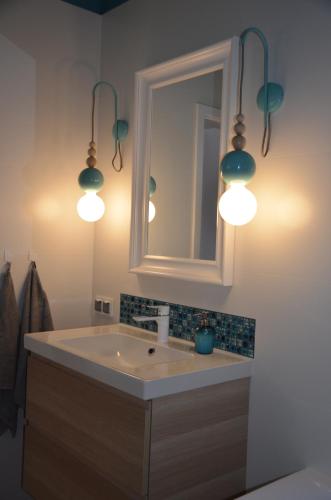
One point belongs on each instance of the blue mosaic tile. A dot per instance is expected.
(232, 333)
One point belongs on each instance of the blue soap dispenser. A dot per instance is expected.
(205, 336)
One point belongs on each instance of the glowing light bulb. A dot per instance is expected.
(151, 211)
(237, 205)
(90, 207)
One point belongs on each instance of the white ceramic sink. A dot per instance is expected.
(126, 350)
(119, 355)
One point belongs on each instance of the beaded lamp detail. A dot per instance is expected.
(238, 166)
(91, 178)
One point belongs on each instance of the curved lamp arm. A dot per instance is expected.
(118, 134)
(267, 125)
(238, 165)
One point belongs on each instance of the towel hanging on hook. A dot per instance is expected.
(9, 326)
(36, 317)
(9, 320)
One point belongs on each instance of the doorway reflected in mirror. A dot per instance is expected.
(185, 146)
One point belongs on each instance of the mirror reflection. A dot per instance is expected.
(184, 158)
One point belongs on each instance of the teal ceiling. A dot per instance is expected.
(98, 6)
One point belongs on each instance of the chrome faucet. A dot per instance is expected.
(162, 320)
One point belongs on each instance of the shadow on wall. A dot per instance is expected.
(208, 296)
(18, 104)
(283, 408)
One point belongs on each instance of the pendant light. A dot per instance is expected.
(238, 205)
(91, 207)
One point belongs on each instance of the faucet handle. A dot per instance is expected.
(161, 310)
(164, 310)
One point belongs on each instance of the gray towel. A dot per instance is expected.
(9, 320)
(8, 412)
(9, 324)
(36, 317)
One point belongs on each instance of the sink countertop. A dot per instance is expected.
(147, 381)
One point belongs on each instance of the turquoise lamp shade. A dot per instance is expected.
(237, 167)
(91, 179)
(152, 186)
(122, 129)
(275, 97)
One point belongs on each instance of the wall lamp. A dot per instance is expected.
(91, 207)
(238, 205)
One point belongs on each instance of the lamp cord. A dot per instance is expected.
(119, 152)
(265, 146)
(117, 144)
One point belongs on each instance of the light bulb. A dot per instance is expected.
(90, 207)
(151, 211)
(237, 205)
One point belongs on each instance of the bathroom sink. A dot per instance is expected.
(125, 350)
(130, 359)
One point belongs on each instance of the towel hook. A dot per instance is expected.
(31, 256)
(6, 255)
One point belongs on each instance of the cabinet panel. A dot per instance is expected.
(225, 486)
(199, 441)
(102, 427)
(89, 441)
(52, 473)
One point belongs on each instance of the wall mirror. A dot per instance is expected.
(183, 119)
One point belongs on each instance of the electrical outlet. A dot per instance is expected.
(98, 305)
(108, 306)
(104, 305)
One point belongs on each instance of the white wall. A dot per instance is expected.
(282, 259)
(50, 54)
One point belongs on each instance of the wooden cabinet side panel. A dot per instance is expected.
(105, 429)
(52, 473)
(198, 441)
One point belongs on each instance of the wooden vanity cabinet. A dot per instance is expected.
(85, 440)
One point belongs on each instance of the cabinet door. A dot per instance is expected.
(51, 472)
(198, 443)
(100, 428)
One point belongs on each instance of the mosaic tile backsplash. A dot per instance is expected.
(233, 333)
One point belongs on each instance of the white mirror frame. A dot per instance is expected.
(222, 56)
